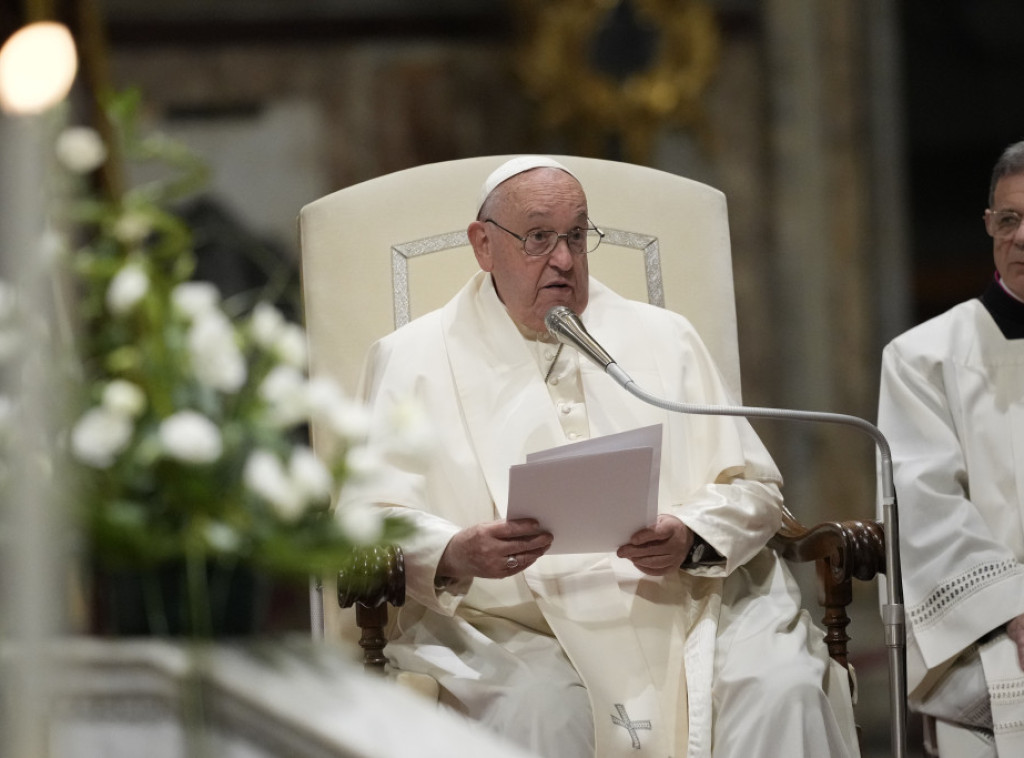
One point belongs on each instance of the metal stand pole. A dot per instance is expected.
(893, 618)
(316, 608)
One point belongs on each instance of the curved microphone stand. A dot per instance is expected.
(566, 327)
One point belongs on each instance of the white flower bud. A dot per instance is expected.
(192, 299)
(324, 394)
(190, 437)
(309, 475)
(99, 436)
(267, 325)
(290, 345)
(216, 358)
(123, 397)
(127, 288)
(132, 228)
(363, 524)
(363, 462)
(280, 382)
(81, 149)
(345, 417)
(265, 475)
(222, 537)
(284, 390)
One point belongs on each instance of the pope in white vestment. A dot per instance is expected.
(952, 407)
(591, 655)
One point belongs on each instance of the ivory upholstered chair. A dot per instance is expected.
(379, 253)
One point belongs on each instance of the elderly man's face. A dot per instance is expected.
(1009, 252)
(543, 198)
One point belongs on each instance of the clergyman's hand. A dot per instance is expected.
(1015, 631)
(494, 550)
(660, 549)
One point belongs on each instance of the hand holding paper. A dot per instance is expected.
(659, 549)
(591, 495)
(485, 550)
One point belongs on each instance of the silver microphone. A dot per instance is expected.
(566, 327)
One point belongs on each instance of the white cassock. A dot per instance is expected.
(952, 407)
(649, 651)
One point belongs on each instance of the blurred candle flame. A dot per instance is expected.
(37, 67)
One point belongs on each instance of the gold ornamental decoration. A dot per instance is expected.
(666, 52)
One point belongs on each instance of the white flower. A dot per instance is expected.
(284, 390)
(127, 288)
(190, 437)
(222, 537)
(133, 227)
(216, 357)
(280, 382)
(265, 475)
(345, 417)
(125, 398)
(290, 345)
(81, 149)
(363, 524)
(273, 333)
(309, 475)
(192, 299)
(99, 436)
(291, 490)
(267, 325)
(325, 394)
(363, 462)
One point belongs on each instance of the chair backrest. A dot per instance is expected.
(389, 249)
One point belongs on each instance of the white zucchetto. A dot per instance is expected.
(516, 166)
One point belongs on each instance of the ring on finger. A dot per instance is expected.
(511, 562)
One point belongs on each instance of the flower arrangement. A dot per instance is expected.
(189, 435)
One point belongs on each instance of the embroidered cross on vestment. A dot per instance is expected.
(630, 726)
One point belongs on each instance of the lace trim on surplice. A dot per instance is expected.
(945, 597)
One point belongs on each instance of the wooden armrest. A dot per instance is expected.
(854, 549)
(373, 578)
(842, 551)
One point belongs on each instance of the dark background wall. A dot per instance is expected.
(962, 65)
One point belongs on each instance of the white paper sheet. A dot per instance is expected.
(591, 495)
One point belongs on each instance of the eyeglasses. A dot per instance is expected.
(538, 242)
(1002, 224)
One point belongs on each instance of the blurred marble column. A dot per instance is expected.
(836, 208)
